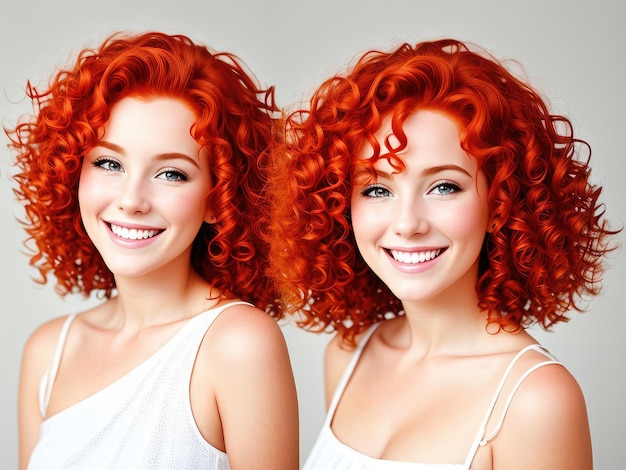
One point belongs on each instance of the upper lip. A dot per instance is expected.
(129, 225)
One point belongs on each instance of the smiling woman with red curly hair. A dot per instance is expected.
(141, 174)
(233, 123)
(428, 209)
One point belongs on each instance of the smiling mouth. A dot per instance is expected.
(414, 257)
(133, 233)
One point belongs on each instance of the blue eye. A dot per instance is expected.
(108, 164)
(173, 175)
(375, 191)
(446, 188)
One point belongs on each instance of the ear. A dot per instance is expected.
(491, 224)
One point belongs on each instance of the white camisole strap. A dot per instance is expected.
(481, 439)
(345, 378)
(47, 381)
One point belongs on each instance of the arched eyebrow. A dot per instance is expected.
(108, 145)
(427, 171)
(438, 169)
(162, 156)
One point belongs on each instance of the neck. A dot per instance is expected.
(447, 325)
(157, 299)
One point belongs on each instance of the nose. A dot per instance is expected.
(409, 218)
(133, 196)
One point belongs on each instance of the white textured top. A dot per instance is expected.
(141, 421)
(330, 453)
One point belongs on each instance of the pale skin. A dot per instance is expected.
(424, 382)
(242, 391)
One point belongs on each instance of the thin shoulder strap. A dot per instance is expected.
(47, 381)
(480, 439)
(216, 311)
(348, 373)
(207, 318)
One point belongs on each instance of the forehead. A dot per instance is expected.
(150, 110)
(427, 133)
(157, 120)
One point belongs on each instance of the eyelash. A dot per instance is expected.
(366, 192)
(180, 176)
(101, 162)
(455, 188)
(104, 162)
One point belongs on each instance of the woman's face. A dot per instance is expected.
(421, 230)
(143, 188)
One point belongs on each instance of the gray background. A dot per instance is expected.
(573, 51)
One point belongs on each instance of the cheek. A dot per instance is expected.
(93, 189)
(470, 220)
(367, 222)
(357, 214)
(185, 205)
(88, 189)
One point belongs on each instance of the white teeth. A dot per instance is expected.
(132, 233)
(414, 257)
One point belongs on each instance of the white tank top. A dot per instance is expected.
(141, 421)
(330, 453)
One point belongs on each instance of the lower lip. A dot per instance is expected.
(415, 268)
(132, 244)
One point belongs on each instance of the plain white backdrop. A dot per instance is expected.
(573, 51)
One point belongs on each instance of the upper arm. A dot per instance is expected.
(36, 358)
(546, 426)
(255, 391)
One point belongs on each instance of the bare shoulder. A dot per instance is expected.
(550, 381)
(245, 334)
(42, 342)
(549, 393)
(37, 357)
(551, 396)
(244, 364)
(546, 426)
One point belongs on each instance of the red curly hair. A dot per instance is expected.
(546, 250)
(234, 120)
